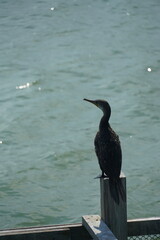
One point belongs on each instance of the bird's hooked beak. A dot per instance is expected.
(91, 101)
(101, 104)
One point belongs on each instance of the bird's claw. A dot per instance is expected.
(99, 176)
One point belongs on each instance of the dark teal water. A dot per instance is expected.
(53, 54)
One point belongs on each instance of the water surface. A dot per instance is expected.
(53, 54)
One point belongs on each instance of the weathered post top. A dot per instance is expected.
(112, 213)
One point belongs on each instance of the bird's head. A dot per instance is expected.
(103, 105)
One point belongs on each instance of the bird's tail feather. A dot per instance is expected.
(117, 190)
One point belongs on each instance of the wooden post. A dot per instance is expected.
(112, 213)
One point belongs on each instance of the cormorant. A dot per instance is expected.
(108, 151)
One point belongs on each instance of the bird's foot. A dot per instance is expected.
(100, 176)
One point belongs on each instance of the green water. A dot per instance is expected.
(53, 54)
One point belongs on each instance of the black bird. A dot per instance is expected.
(108, 151)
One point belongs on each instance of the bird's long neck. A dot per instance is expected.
(104, 124)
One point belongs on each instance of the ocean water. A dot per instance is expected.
(52, 55)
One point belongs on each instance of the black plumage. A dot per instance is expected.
(108, 150)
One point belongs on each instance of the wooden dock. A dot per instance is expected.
(111, 225)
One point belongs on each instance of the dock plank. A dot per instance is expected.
(51, 232)
(143, 226)
(97, 228)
